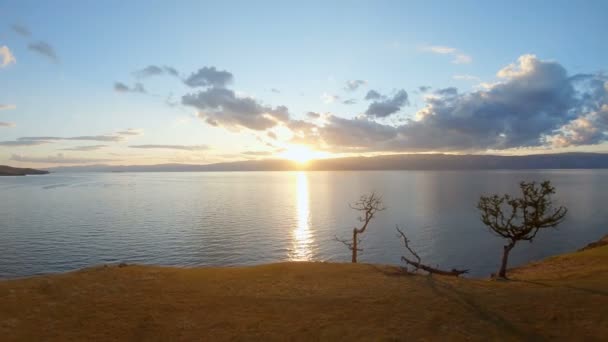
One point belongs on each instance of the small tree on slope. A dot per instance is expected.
(520, 219)
(369, 205)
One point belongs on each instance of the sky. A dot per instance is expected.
(150, 82)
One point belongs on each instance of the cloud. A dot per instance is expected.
(535, 103)
(209, 77)
(424, 89)
(23, 143)
(111, 138)
(258, 153)
(329, 98)
(44, 49)
(173, 147)
(7, 106)
(131, 132)
(589, 129)
(154, 70)
(57, 159)
(313, 115)
(458, 56)
(354, 85)
(123, 88)
(6, 57)
(84, 148)
(272, 135)
(387, 105)
(222, 107)
(21, 30)
(6, 124)
(349, 102)
(275, 90)
(372, 95)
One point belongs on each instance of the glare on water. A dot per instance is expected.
(302, 236)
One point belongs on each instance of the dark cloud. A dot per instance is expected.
(222, 107)
(424, 89)
(44, 49)
(154, 70)
(372, 95)
(57, 159)
(84, 148)
(354, 85)
(387, 105)
(123, 88)
(173, 147)
(22, 30)
(209, 77)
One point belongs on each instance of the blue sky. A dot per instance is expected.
(62, 61)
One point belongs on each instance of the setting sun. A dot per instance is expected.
(301, 154)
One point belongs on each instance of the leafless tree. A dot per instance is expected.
(520, 219)
(417, 264)
(369, 205)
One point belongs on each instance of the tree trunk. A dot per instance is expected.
(505, 258)
(354, 259)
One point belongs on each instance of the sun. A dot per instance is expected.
(300, 154)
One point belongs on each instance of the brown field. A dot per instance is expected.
(564, 298)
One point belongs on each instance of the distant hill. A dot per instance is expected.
(387, 162)
(15, 171)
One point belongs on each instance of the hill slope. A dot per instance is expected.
(564, 297)
(15, 171)
(387, 162)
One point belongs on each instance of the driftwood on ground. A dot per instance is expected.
(418, 262)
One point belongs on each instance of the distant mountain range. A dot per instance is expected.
(386, 162)
(15, 171)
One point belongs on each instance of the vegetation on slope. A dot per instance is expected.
(564, 297)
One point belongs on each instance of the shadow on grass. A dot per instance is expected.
(451, 292)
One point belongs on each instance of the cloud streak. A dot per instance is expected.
(44, 49)
(173, 147)
(458, 57)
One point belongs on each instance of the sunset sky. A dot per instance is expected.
(148, 82)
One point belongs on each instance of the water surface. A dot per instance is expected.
(62, 222)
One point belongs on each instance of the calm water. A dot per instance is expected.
(63, 222)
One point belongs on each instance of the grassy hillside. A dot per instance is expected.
(564, 297)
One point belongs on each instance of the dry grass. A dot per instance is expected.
(564, 297)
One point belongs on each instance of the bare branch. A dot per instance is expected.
(418, 263)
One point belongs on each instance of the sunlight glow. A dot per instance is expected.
(301, 154)
(302, 235)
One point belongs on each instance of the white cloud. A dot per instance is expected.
(6, 57)
(458, 56)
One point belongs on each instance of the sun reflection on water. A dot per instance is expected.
(302, 236)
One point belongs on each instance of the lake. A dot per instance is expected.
(62, 222)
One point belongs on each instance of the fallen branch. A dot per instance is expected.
(453, 272)
(418, 263)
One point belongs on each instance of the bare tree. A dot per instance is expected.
(369, 204)
(520, 219)
(417, 264)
